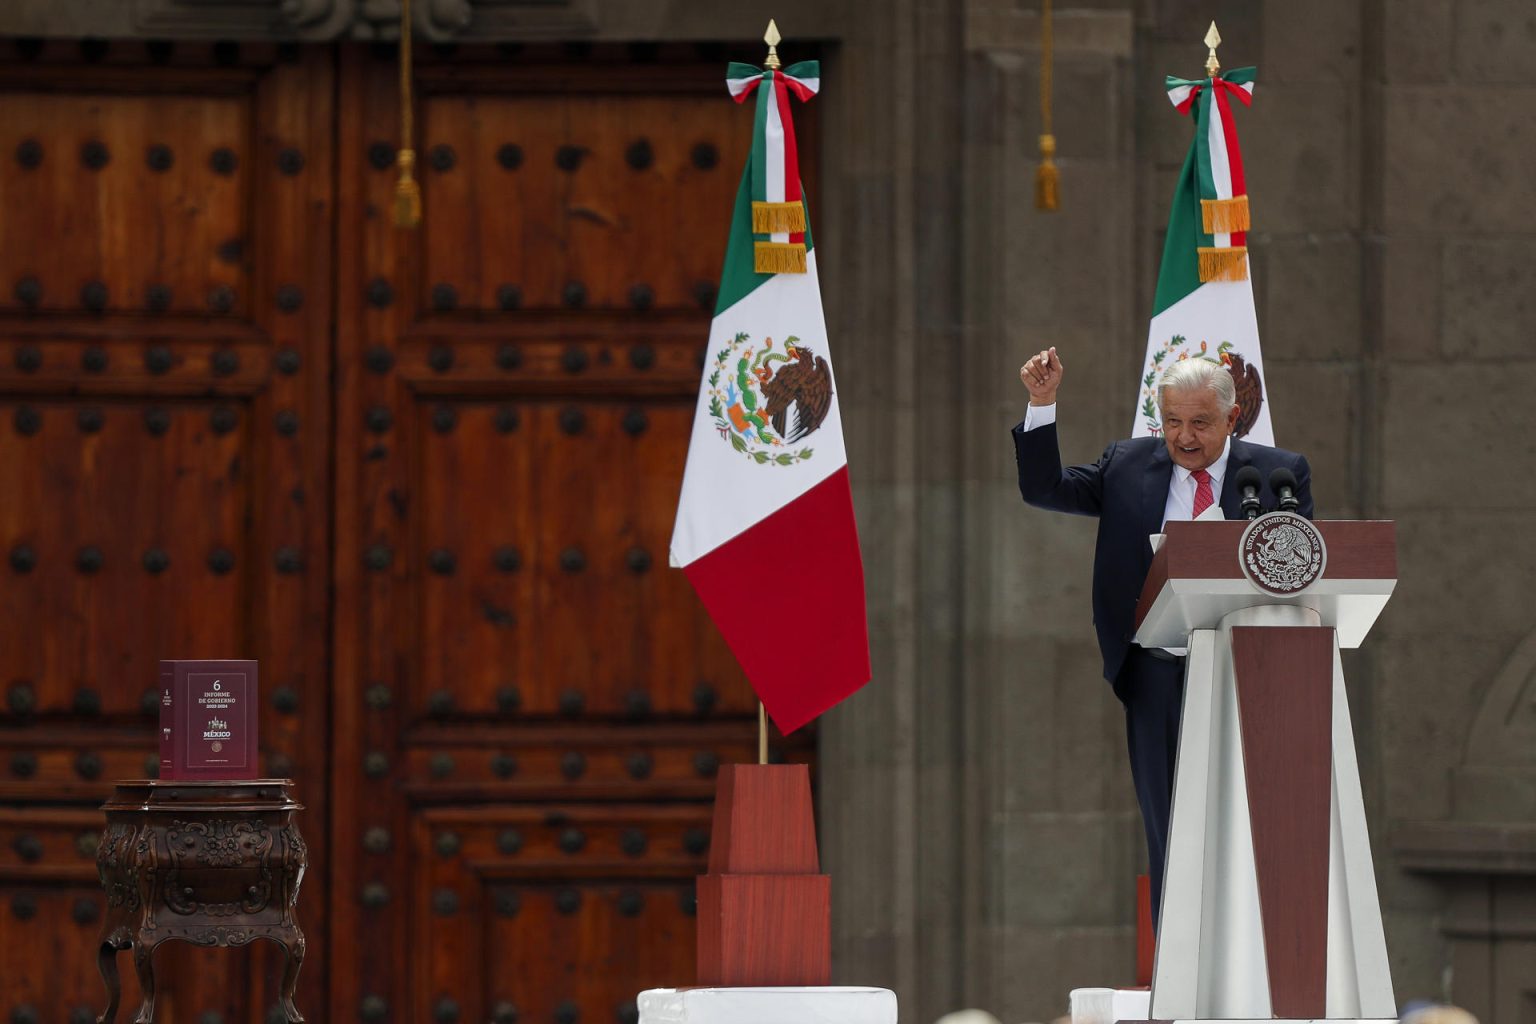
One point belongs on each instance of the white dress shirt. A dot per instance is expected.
(1181, 485)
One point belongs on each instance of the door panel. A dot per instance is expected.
(579, 200)
(123, 527)
(164, 436)
(554, 910)
(99, 164)
(542, 519)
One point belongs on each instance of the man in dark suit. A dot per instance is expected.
(1134, 488)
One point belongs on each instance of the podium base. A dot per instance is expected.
(1273, 1020)
(1107, 1005)
(788, 1005)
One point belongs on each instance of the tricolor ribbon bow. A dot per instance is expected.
(1223, 191)
(778, 204)
(1184, 91)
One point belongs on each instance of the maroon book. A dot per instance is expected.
(208, 720)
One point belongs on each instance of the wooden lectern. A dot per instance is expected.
(1269, 897)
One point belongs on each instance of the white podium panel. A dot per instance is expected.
(833, 1004)
(1108, 1005)
(1196, 578)
(1211, 959)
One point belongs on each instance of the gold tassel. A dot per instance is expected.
(407, 193)
(778, 257)
(1224, 216)
(1226, 263)
(1047, 177)
(775, 218)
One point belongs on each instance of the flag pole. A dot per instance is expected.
(772, 38)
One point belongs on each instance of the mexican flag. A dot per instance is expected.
(1204, 303)
(765, 529)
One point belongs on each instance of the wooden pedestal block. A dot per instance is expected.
(765, 930)
(765, 911)
(764, 822)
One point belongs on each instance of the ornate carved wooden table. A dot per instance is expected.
(210, 863)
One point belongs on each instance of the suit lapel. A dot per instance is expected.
(1154, 492)
(1232, 502)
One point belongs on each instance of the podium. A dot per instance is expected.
(1269, 896)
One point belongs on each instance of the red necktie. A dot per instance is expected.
(1203, 496)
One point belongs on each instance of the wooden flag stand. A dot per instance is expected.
(765, 915)
(765, 910)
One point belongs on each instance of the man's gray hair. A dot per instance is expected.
(1194, 374)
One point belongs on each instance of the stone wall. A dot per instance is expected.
(1387, 149)
(1450, 222)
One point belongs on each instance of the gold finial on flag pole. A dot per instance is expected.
(772, 38)
(1213, 40)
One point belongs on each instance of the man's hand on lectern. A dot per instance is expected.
(1042, 376)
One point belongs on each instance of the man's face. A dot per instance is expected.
(1194, 427)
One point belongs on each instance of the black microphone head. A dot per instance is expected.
(1248, 477)
(1282, 477)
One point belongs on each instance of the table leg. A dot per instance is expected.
(106, 963)
(143, 965)
(294, 949)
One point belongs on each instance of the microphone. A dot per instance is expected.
(1248, 483)
(1283, 482)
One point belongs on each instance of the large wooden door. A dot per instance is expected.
(530, 706)
(165, 331)
(426, 476)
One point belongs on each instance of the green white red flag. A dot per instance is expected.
(765, 528)
(1203, 308)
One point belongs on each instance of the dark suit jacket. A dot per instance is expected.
(1128, 490)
